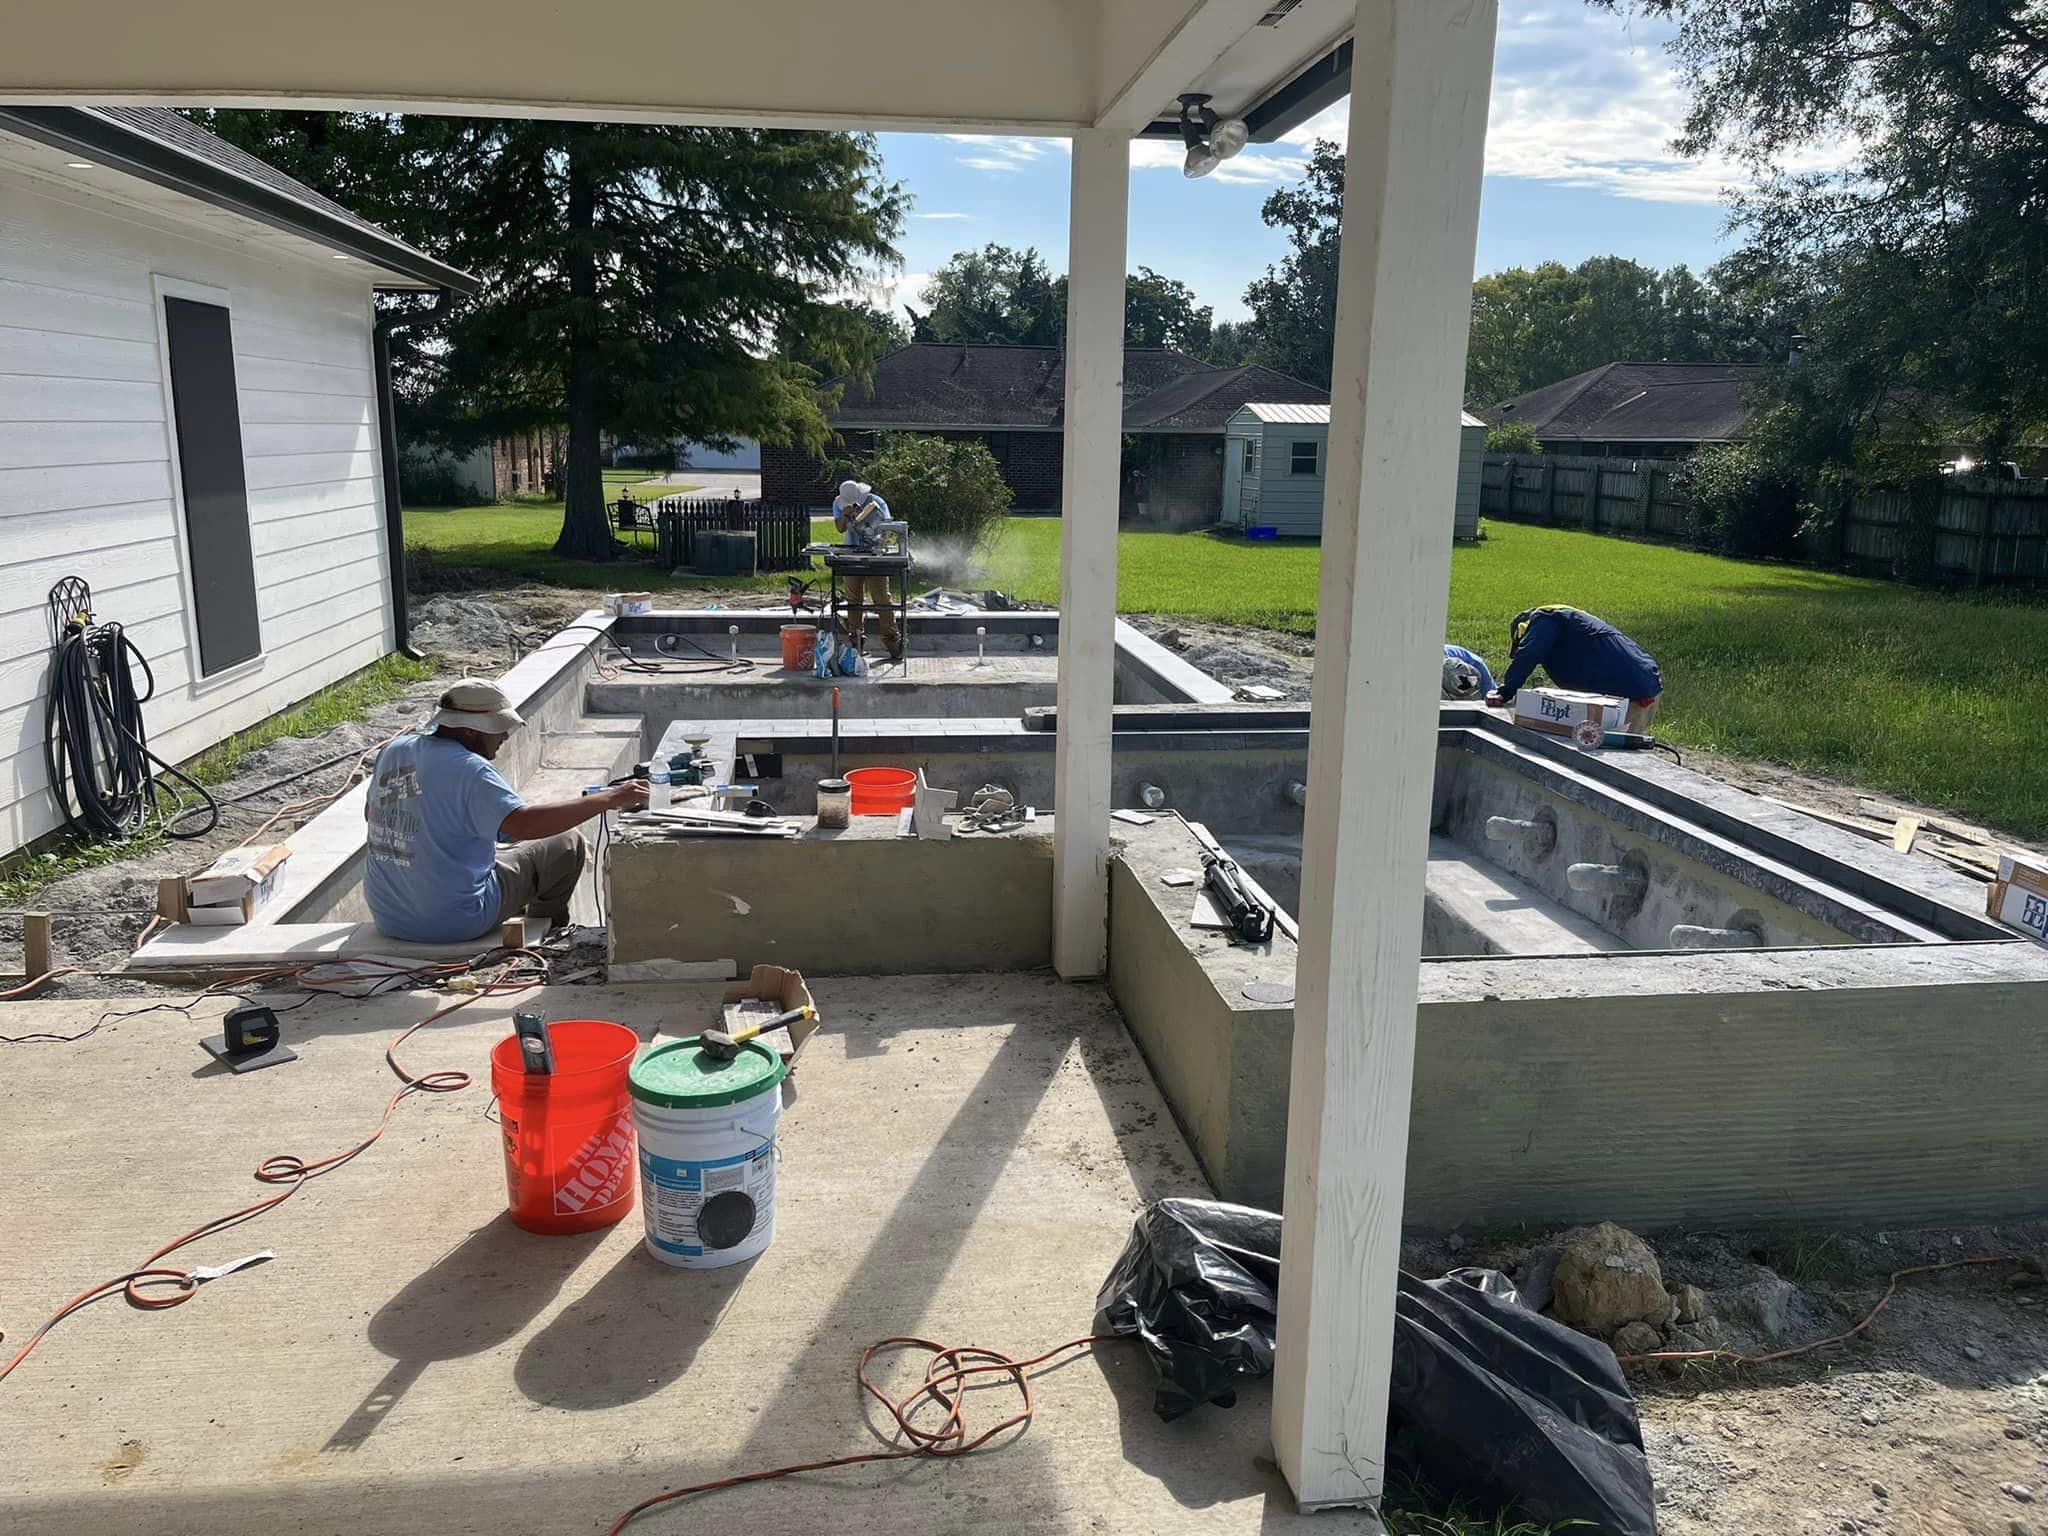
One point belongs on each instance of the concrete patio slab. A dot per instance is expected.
(962, 1161)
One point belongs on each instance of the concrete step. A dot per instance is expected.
(1473, 907)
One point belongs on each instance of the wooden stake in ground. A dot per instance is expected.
(35, 945)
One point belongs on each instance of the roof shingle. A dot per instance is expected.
(1639, 402)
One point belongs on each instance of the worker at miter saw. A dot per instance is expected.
(434, 872)
(1585, 654)
(858, 513)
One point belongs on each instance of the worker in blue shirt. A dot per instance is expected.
(1585, 654)
(437, 868)
(1466, 674)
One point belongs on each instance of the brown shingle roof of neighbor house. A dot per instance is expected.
(1204, 402)
(1639, 402)
(929, 385)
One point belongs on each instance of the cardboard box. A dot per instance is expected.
(2024, 871)
(785, 989)
(2019, 896)
(231, 889)
(1559, 710)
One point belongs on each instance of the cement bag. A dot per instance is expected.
(1489, 1401)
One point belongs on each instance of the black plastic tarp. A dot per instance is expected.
(1488, 1401)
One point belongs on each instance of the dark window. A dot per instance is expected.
(1304, 460)
(209, 425)
(999, 448)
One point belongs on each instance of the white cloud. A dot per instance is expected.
(1000, 153)
(1587, 100)
(942, 215)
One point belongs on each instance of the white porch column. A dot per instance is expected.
(1087, 655)
(1420, 77)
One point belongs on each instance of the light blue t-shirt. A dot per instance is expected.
(866, 535)
(434, 810)
(1475, 660)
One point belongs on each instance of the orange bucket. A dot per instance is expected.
(569, 1150)
(881, 791)
(799, 643)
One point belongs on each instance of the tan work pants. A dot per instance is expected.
(860, 591)
(537, 879)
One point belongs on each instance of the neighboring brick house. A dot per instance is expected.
(1013, 400)
(524, 463)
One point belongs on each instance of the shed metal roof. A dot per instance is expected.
(1281, 412)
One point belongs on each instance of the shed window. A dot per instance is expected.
(1251, 456)
(209, 428)
(1305, 458)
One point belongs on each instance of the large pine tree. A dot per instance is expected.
(637, 278)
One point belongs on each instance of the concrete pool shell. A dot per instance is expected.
(1868, 1046)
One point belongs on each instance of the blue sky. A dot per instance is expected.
(1578, 164)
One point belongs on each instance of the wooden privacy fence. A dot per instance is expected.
(781, 532)
(1958, 528)
(1600, 495)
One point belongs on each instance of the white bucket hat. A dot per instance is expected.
(476, 706)
(852, 493)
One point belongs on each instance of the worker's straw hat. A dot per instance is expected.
(852, 493)
(476, 706)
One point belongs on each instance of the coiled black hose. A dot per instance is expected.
(96, 745)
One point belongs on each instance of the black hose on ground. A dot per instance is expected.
(96, 745)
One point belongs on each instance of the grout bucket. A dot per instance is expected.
(707, 1151)
(882, 791)
(799, 642)
(569, 1134)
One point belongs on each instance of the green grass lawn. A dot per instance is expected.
(1908, 692)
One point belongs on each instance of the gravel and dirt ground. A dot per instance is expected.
(1932, 1422)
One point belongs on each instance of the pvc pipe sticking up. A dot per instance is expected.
(1298, 793)
(981, 645)
(734, 631)
(1152, 797)
(1694, 936)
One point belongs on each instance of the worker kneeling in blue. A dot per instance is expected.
(1585, 654)
(434, 872)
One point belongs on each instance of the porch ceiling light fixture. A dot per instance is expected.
(1210, 140)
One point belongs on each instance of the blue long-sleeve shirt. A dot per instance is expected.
(1583, 653)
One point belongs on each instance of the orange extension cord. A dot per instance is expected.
(152, 1287)
(944, 1374)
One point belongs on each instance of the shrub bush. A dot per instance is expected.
(1512, 437)
(1743, 501)
(943, 489)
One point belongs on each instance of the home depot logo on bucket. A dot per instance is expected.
(592, 1177)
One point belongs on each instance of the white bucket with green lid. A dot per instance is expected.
(707, 1151)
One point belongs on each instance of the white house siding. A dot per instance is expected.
(86, 470)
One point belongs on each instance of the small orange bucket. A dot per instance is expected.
(569, 1149)
(799, 645)
(881, 791)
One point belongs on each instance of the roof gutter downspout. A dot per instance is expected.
(394, 511)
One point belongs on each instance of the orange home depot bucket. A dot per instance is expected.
(881, 791)
(799, 641)
(569, 1150)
